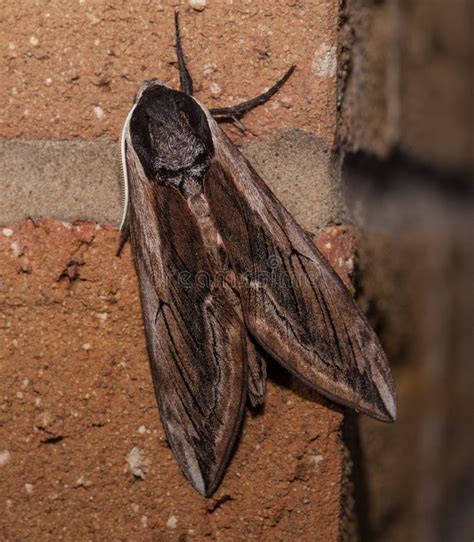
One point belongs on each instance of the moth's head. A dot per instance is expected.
(170, 134)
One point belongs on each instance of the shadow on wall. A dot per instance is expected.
(416, 262)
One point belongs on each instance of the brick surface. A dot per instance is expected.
(72, 70)
(417, 467)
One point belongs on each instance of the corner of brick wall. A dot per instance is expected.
(403, 96)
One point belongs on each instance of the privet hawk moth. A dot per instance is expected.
(225, 272)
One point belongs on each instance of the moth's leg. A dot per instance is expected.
(124, 237)
(186, 83)
(257, 374)
(241, 109)
(240, 125)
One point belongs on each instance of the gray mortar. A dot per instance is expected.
(301, 171)
(72, 180)
(61, 179)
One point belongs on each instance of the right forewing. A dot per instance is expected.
(293, 302)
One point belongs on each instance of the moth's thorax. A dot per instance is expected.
(148, 84)
(170, 133)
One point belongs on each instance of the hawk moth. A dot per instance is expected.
(225, 272)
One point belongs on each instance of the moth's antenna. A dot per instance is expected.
(186, 83)
(236, 111)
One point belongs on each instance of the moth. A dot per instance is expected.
(226, 273)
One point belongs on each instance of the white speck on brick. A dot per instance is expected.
(26, 382)
(7, 232)
(135, 507)
(48, 81)
(43, 420)
(19, 395)
(216, 90)
(328, 246)
(172, 522)
(34, 41)
(87, 347)
(99, 112)
(29, 488)
(144, 521)
(38, 402)
(102, 316)
(197, 5)
(209, 69)
(142, 429)
(286, 102)
(138, 464)
(5, 457)
(325, 60)
(316, 458)
(16, 249)
(93, 18)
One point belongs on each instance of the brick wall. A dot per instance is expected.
(353, 148)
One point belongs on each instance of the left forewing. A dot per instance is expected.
(195, 341)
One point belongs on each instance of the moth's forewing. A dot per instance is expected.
(293, 302)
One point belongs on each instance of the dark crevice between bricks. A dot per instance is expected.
(384, 174)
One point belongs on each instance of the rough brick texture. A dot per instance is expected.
(72, 72)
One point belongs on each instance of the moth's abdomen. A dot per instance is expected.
(210, 236)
